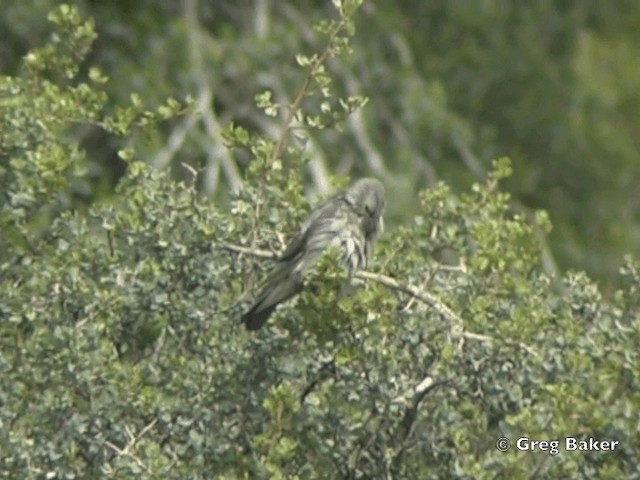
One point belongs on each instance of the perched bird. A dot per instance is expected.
(349, 221)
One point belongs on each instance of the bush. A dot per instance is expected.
(122, 356)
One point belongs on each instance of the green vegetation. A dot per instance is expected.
(134, 228)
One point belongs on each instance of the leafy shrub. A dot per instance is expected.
(121, 355)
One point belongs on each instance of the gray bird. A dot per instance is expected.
(349, 221)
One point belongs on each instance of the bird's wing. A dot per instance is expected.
(317, 222)
(295, 247)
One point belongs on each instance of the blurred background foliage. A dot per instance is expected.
(554, 85)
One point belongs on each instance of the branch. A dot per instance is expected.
(317, 164)
(488, 339)
(255, 252)
(327, 370)
(293, 109)
(424, 297)
(439, 306)
(132, 441)
(177, 138)
(467, 156)
(427, 298)
(217, 154)
(358, 128)
(405, 425)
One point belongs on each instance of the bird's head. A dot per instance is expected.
(367, 197)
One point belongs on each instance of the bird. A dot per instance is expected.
(351, 221)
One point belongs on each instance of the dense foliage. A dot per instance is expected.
(451, 86)
(120, 351)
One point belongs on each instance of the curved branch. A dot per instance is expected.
(425, 297)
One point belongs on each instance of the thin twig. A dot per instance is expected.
(293, 109)
(132, 441)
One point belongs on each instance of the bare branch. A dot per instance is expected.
(488, 339)
(126, 451)
(469, 159)
(261, 20)
(192, 171)
(178, 136)
(439, 306)
(424, 297)
(427, 298)
(217, 154)
(249, 251)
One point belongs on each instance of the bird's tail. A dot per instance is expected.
(256, 317)
(276, 291)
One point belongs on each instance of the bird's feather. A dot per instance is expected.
(350, 221)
